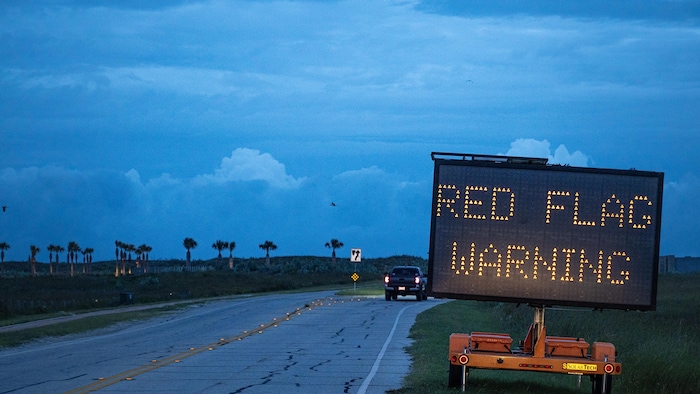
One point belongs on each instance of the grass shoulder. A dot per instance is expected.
(656, 349)
(81, 324)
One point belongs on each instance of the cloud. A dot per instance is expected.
(248, 199)
(52, 204)
(363, 173)
(178, 80)
(679, 229)
(678, 199)
(250, 165)
(529, 147)
(344, 101)
(381, 212)
(623, 9)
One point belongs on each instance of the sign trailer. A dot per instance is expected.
(515, 229)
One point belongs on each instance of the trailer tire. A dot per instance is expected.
(598, 380)
(455, 377)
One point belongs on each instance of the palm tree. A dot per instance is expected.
(119, 255)
(334, 244)
(268, 246)
(51, 248)
(142, 256)
(143, 251)
(219, 245)
(73, 250)
(58, 249)
(122, 256)
(139, 255)
(231, 247)
(87, 259)
(34, 250)
(128, 249)
(189, 243)
(3, 247)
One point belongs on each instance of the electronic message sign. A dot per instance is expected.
(520, 230)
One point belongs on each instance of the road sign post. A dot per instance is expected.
(355, 257)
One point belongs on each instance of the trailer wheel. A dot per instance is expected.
(602, 384)
(455, 377)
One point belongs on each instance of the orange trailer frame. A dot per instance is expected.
(538, 352)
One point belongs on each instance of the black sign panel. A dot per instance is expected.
(544, 234)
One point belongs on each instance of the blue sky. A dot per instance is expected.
(244, 120)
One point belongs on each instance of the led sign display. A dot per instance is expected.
(507, 230)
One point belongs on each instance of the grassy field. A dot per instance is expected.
(656, 349)
(23, 295)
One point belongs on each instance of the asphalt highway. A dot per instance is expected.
(291, 343)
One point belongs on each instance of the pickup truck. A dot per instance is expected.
(405, 280)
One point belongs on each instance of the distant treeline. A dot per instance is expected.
(300, 264)
(23, 293)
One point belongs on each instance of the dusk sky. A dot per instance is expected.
(301, 121)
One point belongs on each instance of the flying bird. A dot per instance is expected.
(4, 208)
(333, 204)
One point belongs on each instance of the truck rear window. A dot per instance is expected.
(404, 272)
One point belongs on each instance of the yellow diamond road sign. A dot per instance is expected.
(355, 276)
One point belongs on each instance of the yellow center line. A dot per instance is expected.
(155, 364)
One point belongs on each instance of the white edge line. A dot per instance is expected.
(375, 367)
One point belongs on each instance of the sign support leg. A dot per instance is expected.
(465, 377)
(538, 324)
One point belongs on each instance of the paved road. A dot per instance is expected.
(299, 343)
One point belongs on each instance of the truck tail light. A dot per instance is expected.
(416, 280)
(386, 279)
